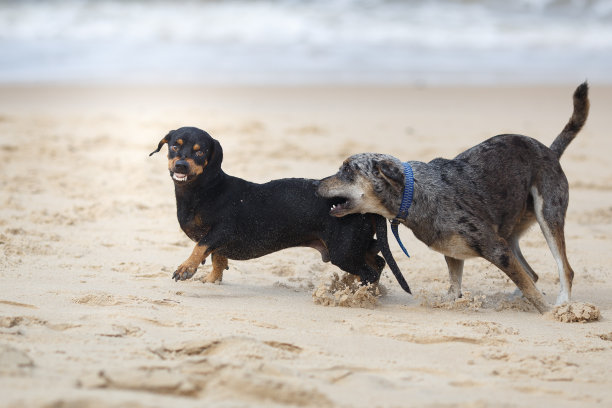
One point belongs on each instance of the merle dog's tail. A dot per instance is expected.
(579, 116)
(381, 237)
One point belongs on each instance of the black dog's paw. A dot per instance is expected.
(183, 273)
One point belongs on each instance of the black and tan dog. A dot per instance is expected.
(476, 205)
(231, 218)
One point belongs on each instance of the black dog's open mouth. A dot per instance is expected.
(181, 177)
(339, 206)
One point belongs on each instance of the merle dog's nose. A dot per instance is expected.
(181, 166)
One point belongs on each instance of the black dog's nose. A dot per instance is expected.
(181, 166)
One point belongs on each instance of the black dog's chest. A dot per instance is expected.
(194, 228)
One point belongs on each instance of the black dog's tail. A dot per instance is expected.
(381, 236)
(579, 117)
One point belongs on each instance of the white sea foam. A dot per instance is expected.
(289, 41)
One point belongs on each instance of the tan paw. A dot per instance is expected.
(213, 277)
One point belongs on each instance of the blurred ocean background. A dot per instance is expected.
(425, 42)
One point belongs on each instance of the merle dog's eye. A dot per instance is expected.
(174, 148)
(199, 153)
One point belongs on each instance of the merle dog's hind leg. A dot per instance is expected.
(516, 249)
(551, 217)
(455, 273)
(500, 254)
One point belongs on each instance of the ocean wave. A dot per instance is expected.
(280, 40)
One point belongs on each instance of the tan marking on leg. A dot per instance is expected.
(189, 267)
(455, 247)
(566, 273)
(219, 264)
(556, 242)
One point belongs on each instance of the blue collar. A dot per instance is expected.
(405, 205)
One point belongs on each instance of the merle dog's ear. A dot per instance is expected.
(215, 155)
(161, 143)
(391, 173)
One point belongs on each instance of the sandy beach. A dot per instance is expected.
(90, 317)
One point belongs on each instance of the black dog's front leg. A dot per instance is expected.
(188, 268)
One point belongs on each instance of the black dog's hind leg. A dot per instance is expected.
(219, 264)
(373, 259)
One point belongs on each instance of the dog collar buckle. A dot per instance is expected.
(405, 205)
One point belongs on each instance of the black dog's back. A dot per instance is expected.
(258, 219)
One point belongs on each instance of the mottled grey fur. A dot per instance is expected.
(477, 204)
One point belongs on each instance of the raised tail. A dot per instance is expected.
(381, 237)
(579, 117)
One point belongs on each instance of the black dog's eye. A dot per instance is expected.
(174, 148)
(199, 153)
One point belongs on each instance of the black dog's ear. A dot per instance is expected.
(390, 172)
(215, 155)
(161, 143)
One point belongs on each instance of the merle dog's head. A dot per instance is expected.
(192, 154)
(365, 183)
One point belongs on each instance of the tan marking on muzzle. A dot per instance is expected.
(195, 169)
(331, 183)
(172, 162)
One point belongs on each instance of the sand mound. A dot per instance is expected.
(347, 292)
(576, 312)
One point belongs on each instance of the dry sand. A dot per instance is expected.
(89, 316)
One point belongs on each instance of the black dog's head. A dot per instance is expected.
(192, 154)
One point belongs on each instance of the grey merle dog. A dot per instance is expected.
(475, 205)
